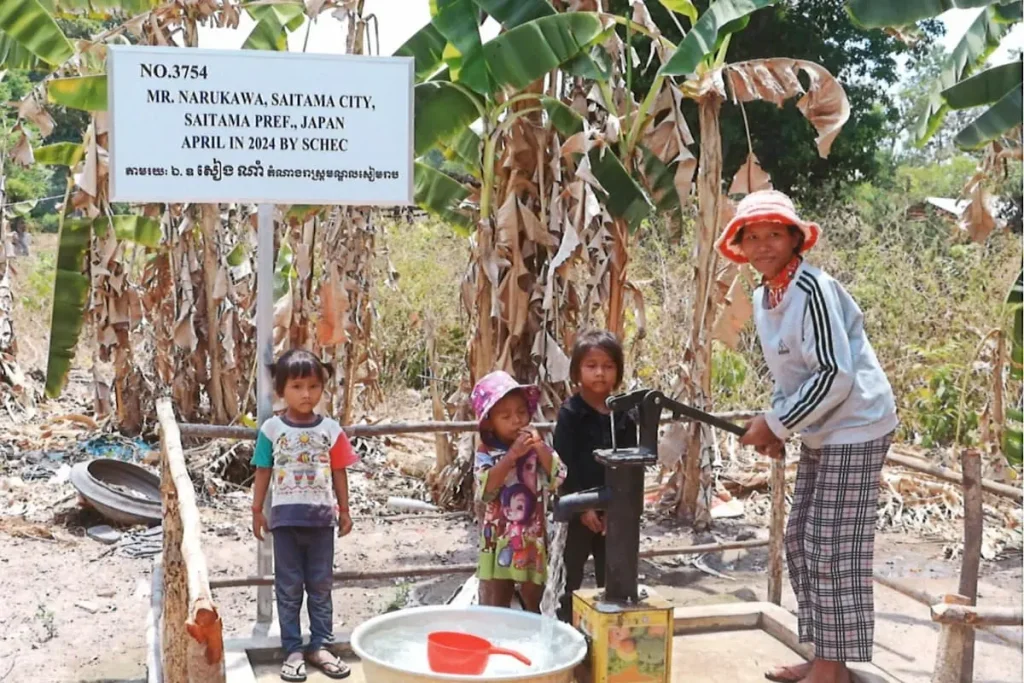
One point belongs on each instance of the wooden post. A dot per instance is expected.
(949, 655)
(264, 383)
(197, 657)
(175, 589)
(777, 529)
(974, 521)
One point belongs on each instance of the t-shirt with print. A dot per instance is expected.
(513, 543)
(302, 457)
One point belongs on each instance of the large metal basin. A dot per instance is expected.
(393, 646)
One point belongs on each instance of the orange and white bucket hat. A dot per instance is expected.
(763, 206)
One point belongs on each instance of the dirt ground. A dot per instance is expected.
(52, 586)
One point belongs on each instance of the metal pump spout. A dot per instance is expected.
(566, 507)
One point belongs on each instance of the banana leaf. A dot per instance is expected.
(273, 23)
(28, 23)
(563, 117)
(512, 13)
(70, 296)
(425, 47)
(14, 55)
(883, 13)
(520, 56)
(443, 111)
(684, 7)
(625, 198)
(661, 181)
(131, 228)
(59, 154)
(458, 22)
(442, 196)
(1002, 117)
(1009, 12)
(594, 64)
(985, 88)
(284, 270)
(466, 150)
(981, 39)
(88, 93)
(705, 34)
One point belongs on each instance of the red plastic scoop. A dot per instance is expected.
(449, 652)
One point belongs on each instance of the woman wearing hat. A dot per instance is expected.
(829, 388)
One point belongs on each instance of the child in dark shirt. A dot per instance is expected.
(584, 425)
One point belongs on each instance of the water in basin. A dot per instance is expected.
(396, 643)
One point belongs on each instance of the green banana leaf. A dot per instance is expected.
(661, 181)
(88, 93)
(1002, 117)
(466, 150)
(131, 228)
(28, 23)
(684, 7)
(625, 198)
(59, 154)
(425, 47)
(1009, 12)
(443, 111)
(985, 88)
(458, 22)
(70, 296)
(883, 13)
(273, 23)
(982, 38)
(512, 13)
(563, 117)
(520, 56)
(705, 34)
(594, 64)
(442, 196)
(14, 55)
(284, 270)
(238, 255)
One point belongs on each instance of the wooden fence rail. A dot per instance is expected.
(193, 643)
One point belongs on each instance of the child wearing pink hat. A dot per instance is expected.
(515, 471)
(831, 390)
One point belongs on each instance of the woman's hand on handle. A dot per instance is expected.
(759, 434)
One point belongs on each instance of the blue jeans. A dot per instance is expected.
(304, 561)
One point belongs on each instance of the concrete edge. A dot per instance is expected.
(782, 625)
(721, 617)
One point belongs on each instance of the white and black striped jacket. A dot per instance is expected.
(829, 386)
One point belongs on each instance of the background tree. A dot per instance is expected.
(865, 61)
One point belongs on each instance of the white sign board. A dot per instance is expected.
(205, 126)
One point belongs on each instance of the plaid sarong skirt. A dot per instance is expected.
(830, 543)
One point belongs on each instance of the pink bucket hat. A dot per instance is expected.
(496, 386)
(764, 206)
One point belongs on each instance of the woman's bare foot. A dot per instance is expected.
(789, 674)
(825, 671)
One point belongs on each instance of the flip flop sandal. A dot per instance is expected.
(783, 674)
(293, 671)
(334, 668)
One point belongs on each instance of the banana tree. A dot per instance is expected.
(699, 62)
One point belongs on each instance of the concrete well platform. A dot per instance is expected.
(723, 643)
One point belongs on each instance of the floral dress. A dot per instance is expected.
(513, 542)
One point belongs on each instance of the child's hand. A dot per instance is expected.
(344, 524)
(521, 446)
(259, 524)
(593, 521)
